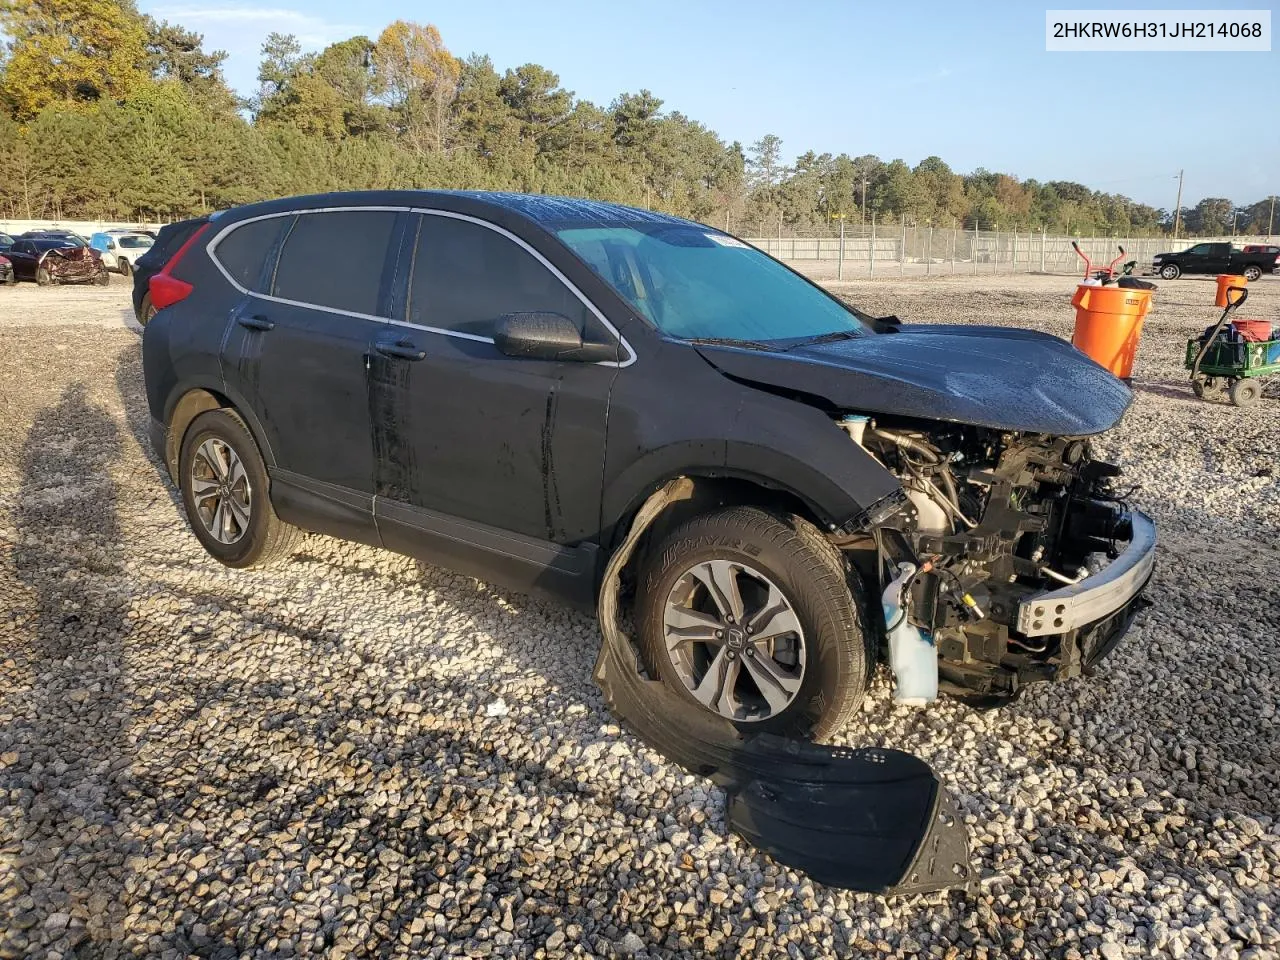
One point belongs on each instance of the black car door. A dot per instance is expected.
(1196, 258)
(23, 256)
(298, 350)
(1218, 258)
(489, 464)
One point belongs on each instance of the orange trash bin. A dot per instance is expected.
(1109, 325)
(1226, 280)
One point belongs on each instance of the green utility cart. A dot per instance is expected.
(1234, 367)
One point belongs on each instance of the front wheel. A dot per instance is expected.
(1252, 273)
(1170, 271)
(103, 278)
(750, 615)
(1245, 393)
(44, 277)
(225, 491)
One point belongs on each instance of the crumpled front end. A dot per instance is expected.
(73, 265)
(1032, 564)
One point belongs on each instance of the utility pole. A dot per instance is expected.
(840, 255)
(1177, 207)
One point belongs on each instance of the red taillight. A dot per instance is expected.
(166, 289)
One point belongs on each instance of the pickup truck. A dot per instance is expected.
(1214, 258)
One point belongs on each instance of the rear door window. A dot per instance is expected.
(467, 276)
(244, 251)
(336, 259)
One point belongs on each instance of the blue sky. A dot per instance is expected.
(972, 84)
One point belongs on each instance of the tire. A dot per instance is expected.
(1245, 393)
(253, 535)
(1198, 388)
(1252, 273)
(1170, 271)
(103, 279)
(146, 311)
(43, 277)
(822, 667)
(126, 269)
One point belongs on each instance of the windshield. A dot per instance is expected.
(697, 283)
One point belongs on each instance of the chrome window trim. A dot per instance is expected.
(212, 246)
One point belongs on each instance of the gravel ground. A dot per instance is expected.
(352, 755)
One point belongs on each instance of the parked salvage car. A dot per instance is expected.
(167, 242)
(495, 383)
(6, 270)
(121, 249)
(57, 260)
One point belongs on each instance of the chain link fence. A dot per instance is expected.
(896, 250)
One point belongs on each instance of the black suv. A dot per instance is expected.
(496, 383)
(167, 241)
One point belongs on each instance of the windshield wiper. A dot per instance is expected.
(731, 342)
(829, 337)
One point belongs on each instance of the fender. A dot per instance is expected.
(799, 447)
(772, 441)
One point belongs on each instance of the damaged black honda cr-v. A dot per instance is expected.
(497, 383)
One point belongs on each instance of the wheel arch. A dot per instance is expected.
(707, 489)
(189, 403)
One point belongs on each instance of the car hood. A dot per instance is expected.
(998, 377)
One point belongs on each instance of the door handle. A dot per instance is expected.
(403, 348)
(255, 322)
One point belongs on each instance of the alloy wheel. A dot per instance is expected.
(220, 490)
(734, 640)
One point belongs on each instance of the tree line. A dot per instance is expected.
(106, 113)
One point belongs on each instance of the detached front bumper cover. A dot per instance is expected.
(1097, 596)
(875, 820)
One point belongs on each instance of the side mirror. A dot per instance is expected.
(547, 336)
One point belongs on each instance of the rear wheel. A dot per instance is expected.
(1170, 271)
(1252, 272)
(126, 268)
(147, 310)
(1245, 393)
(225, 490)
(749, 615)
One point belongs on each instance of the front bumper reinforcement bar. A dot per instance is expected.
(1097, 596)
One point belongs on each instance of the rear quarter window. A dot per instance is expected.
(244, 251)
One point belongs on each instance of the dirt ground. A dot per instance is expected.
(351, 755)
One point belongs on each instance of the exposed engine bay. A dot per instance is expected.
(1003, 533)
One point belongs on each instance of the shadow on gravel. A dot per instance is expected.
(69, 839)
(77, 811)
(137, 415)
(1167, 388)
